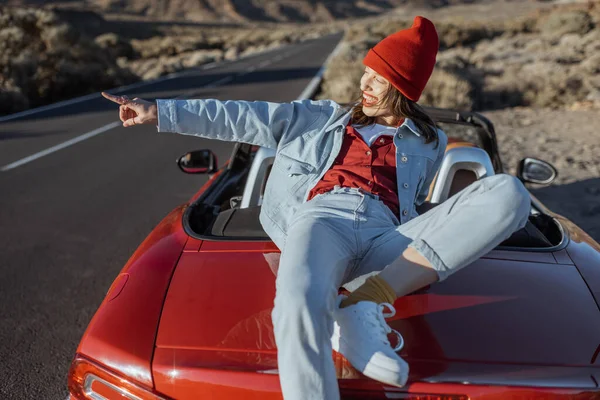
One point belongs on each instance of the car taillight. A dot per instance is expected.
(91, 381)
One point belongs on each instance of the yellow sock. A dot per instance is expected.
(375, 289)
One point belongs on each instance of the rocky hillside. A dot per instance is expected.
(249, 10)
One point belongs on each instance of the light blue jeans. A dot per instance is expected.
(345, 235)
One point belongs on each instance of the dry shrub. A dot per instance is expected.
(552, 85)
(172, 45)
(370, 33)
(592, 64)
(115, 45)
(153, 68)
(386, 27)
(540, 70)
(43, 60)
(560, 23)
(591, 42)
(446, 89)
(524, 24)
(12, 100)
(452, 34)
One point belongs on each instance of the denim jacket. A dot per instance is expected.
(307, 136)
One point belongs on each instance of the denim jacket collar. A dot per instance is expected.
(344, 119)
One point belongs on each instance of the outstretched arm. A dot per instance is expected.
(259, 122)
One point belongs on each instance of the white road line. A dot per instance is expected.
(314, 83)
(60, 146)
(264, 64)
(249, 70)
(209, 65)
(219, 82)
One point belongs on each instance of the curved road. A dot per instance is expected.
(71, 216)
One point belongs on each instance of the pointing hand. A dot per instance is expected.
(136, 111)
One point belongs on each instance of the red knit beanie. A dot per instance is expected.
(407, 57)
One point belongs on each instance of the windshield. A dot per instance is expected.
(463, 133)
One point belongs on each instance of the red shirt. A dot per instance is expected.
(372, 169)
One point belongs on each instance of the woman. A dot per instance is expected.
(340, 204)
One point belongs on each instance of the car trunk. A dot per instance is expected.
(511, 318)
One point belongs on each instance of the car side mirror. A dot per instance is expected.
(198, 162)
(533, 170)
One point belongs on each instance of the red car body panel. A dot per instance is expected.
(191, 319)
(122, 333)
(585, 253)
(484, 318)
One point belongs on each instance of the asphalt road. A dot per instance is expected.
(69, 220)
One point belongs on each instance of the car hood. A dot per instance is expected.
(509, 313)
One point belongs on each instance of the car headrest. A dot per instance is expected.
(463, 164)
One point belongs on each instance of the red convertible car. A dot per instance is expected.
(188, 317)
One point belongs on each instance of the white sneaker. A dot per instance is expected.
(360, 334)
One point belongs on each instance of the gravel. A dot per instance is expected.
(569, 140)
